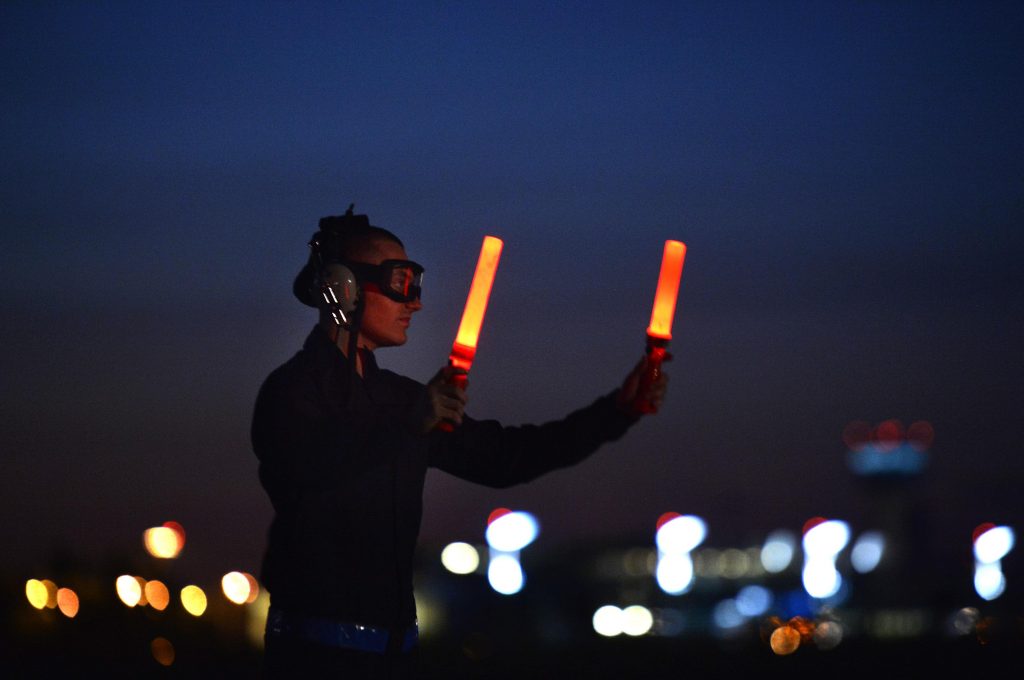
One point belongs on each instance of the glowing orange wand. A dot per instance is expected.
(464, 347)
(659, 332)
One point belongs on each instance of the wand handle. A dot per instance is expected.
(657, 352)
(459, 380)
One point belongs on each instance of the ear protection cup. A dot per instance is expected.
(340, 291)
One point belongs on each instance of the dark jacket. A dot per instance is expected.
(345, 477)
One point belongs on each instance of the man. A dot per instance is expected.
(344, 447)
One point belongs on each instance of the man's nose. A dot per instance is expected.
(414, 305)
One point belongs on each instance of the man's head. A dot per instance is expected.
(349, 250)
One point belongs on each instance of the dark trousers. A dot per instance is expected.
(287, 657)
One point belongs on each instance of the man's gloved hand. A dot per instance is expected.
(655, 393)
(440, 401)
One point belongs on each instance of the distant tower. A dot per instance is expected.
(889, 458)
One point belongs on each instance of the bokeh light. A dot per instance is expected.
(128, 590)
(193, 599)
(163, 542)
(636, 620)
(236, 587)
(680, 534)
(157, 595)
(460, 558)
(753, 600)
(254, 587)
(867, 551)
(67, 602)
(511, 531)
(827, 635)
(992, 545)
(989, 581)
(778, 550)
(674, 573)
(607, 621)
(921, 435)
(35, 591)
(727, 616)
(889, 434)
(784, 640)
(51, 593)
(857, 434)
(163, 651)
(505, 574)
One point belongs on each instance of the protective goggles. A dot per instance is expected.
(399, 280)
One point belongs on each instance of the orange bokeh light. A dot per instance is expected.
(889, 434)
(785, 640)
(67, 602)
(665, 296)
(157, 595)
(163, 651)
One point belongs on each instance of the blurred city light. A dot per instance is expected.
(753, 600)
(784, 640)
(676, 535)
(157, 595)
(505, 574)
(727, 616)
(511, 531)
(828, 634)
(993, 544)
(163, 542)
(636, 620)
(163, 651)
(35, 591)
(193, 599)
(822, 543)
(128, 590)
(680, 534)
(460, 558)
(867, 551)
(674, 573)
(778, 550)
(67, 602)
(607, 621)
(236, 587)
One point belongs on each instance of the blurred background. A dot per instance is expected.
(837, 467)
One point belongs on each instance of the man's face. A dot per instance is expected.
(385, 322)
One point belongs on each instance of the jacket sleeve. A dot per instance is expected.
(487, 453)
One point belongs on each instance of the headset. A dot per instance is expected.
(340, 283)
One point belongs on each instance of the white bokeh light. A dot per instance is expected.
(512, 531)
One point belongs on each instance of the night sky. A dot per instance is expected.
(848, 176)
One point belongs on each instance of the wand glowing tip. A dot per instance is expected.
(668, 290)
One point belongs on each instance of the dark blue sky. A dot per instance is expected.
(849, 178)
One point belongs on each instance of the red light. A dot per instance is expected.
(856, 434)
(811, 523)
(921, 434)
(665, 519)
(980, 529)
(496, 513)
(889, 434)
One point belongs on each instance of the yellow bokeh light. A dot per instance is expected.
(460, 558)
(157, 595)
(162, 542)
(129, 590)
(35, 591)
(143, 601)
(193, 599)
(51, 593)
(67, 602)
(163, 651)
(785, 640)
(236, 587)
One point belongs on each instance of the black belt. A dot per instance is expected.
(340, 634)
